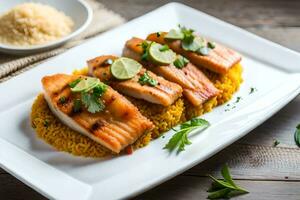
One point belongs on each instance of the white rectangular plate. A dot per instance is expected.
(267, 66)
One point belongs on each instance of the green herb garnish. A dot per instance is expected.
(211, 45)
(147, 79)
(74, 83)
(189, 41)
(188, 36)
(238, 99)
(62, 100)
(145, 45)
(164, 48)
(275, 143)
(252, 89)
(91, 102)
(46, 123)
(297, 135)
(91, 90)
(158, 34)
(180, 139)
(77, 106)
(181, 62)
(224, 189)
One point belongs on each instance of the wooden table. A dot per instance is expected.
(267, 172)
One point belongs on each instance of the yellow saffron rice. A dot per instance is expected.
(62, 138)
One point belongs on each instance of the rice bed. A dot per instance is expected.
(62, 138)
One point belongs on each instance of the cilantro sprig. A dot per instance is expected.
(91, 91)
(146, 79)
(181, 62)
(180, 138)
(224, 189)
(91, 99)
(190, 41)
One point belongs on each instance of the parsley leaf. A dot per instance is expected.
(181, 62)
(188, 36)
(180, 139)
(74, 83)
(145, 45)
(147, 79)
(164, 48)
(91, 100)
(297, 135)
(224, 188)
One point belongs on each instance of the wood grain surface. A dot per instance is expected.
(267, 172)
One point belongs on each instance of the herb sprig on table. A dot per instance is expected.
(180, 138)
(224, 189)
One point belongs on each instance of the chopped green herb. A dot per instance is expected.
(204, 51)
(197, 43)
(147, 79)
(158, 34)
(188, 36)
(91, 102)
(211, 45)
(238, 99)
(224, 189)
(74, 83)
(77, 106)
(46, 123)
(163, 136)
(145, 45)
(275, 143)
(164, 48)
(297, 135)
(181, 62)
(91, 92)
(62, 100)
(252, 89)
(180, 139)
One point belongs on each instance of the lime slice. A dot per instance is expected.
(86, 84)
(174, 35)
(197, 43)
(125, 68)
(161, 57)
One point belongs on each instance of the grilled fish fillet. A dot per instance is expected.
(116, 127)
(164, 93)
(219, 60)
(197, 88)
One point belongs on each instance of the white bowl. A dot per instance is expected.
(78, 10)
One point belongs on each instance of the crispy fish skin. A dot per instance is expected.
(220, 59)
(116, 127)
(197, 88)
(164, 93)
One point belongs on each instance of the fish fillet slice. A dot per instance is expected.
(164, 93)
(197, 88)
(117, 126)
(219, 60)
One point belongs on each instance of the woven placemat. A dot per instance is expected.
(103, 20)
